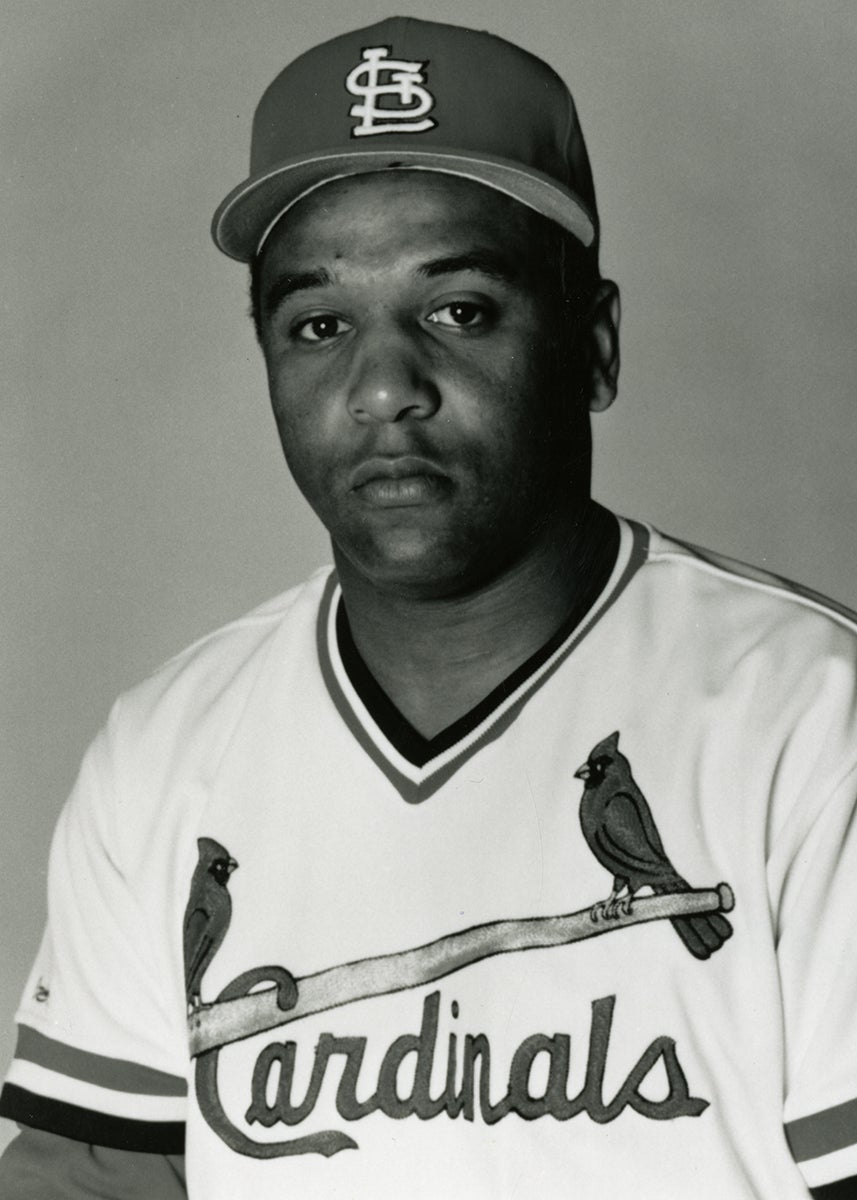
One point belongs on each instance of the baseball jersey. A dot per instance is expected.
(598, 935)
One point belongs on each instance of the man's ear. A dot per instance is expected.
(604, 317)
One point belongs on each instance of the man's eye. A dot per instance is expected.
(320, 328)
(459, 314)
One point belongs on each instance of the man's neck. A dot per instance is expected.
(437, 659)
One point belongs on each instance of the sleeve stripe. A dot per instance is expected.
(114, 1073)
(81, 1125)
(823, 1132)
(843, 1189)
(90, 1096)
(830, 1168)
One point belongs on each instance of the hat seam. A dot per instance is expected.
(561, 190)
(494, 186)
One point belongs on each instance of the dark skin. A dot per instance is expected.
(432, 394)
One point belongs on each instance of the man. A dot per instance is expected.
(515, 855)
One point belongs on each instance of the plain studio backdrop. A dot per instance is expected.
(143, 500)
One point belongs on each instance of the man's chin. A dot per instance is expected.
(413, 567)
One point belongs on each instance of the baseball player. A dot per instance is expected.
(514, 854)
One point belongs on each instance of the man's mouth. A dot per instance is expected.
(401, 482)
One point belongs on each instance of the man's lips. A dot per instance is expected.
(398, 482)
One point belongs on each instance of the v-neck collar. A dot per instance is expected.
(418, 766)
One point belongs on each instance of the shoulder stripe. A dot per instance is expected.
(114, 1073)
(81, 1125)
(747, 573)
(823, 1132)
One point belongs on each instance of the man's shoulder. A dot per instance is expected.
(732, 624)
(243, 635)
(210, 678)
(741, 592)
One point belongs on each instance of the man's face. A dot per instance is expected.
(412, 336)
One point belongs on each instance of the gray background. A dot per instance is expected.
(142, 496)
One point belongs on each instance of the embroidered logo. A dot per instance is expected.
(620, 831)
(391, 95)
(618, 827)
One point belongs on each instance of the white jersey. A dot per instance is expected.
(354, 963)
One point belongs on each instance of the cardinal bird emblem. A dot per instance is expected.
(208, 913)
(620, 831)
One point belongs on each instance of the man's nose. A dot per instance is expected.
(390, 380)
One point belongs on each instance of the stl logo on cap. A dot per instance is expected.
(378, 75)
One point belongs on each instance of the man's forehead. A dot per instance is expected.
(428, 217)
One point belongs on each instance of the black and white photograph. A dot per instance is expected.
(429, 617)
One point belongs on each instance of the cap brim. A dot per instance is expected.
(244, 217)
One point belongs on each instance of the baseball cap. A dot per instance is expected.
(412, 94)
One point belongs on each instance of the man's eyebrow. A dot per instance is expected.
(485, 262)
(288, 284)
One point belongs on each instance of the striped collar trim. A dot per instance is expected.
(417, 783)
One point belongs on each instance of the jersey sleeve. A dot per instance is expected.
(100, 1057)
(817, 951)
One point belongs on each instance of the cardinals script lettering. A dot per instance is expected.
(404, 1088)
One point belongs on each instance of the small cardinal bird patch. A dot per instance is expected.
(620, 831)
